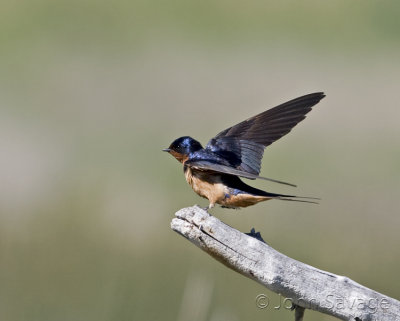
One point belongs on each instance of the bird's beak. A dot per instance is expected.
(166, 150)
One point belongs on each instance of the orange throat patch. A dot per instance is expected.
(180, 157)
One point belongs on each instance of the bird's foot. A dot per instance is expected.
(210, 206)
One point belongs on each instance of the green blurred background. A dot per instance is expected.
(91, 91)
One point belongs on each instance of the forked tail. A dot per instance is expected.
(239, 186)
(293, 198)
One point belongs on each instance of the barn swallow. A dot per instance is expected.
(214, 171)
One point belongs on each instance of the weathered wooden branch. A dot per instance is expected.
(306, 286)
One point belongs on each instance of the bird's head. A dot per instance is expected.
(181, 148)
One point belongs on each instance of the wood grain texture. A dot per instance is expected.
(305, 285)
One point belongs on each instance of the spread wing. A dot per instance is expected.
(243, 145)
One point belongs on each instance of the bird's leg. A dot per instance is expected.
(210, 206)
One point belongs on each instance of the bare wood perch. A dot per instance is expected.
(306, 286)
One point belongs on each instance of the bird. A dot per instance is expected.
(214, 172)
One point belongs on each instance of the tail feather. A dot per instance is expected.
(238, 186)
(296, 200)
(292, 198)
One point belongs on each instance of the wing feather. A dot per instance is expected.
(211, 166)
(243, 145)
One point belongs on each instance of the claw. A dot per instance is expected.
(210, 206)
